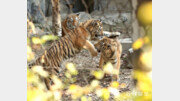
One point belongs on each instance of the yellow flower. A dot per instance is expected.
(30, 54)
(98, 74)
(36, 40)
(71, 69)
(108, 68)
(146, 58)
(115, 84)
(105, 94)
(138, 44)
(94, 83)
(144, 13)
(83, 98)
(57, 83)
(40, 71)
(31, 26)
(75, 91)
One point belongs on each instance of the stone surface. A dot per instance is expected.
(114, 21)
(37, 15)
(114, 18)
(36, 9)
(84, 16)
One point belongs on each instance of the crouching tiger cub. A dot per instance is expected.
(75, 40)
(111, 51)
(95, 28)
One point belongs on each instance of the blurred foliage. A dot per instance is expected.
(30, 54)
(144, 13)
(43, 39)
(37, 91)
(30, 27)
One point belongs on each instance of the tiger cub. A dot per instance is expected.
(71, 22)
(95, 28)
(67, 46)
(111, 51)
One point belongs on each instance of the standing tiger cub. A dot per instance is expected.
(111, 51)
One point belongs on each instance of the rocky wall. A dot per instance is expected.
(115, 14)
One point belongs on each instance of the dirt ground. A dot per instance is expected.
(85, 64)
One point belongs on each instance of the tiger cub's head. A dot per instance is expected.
(72, 21)
(95, 27)
(107, 47)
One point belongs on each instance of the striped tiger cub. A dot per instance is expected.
(111, 51)
(71, 22)
(67, 46)
(95, 28)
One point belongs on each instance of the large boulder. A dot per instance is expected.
(63, 8)
(40, 9)
(114, 20)
(36, 10)
(112, 5)
(84, 16)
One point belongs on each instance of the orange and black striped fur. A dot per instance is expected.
(95, 28)
(66, 47)
(71, 22)
(111, 51)
(75, 40)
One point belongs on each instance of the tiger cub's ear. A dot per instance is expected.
(77, 14)
(94, 23)
(100, 20)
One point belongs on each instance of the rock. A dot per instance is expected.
(127, 16)
(112, 6)
(96, 12)
(114, 21)
(101, 4)
(84, 16)
(39, 31)
(98, 15)
(36, 14)
(106, 27)
(48, 8)
(96, 7)
(63, 16)
(111, 34)
(111, 14)
(28, 9)
(63, 8)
